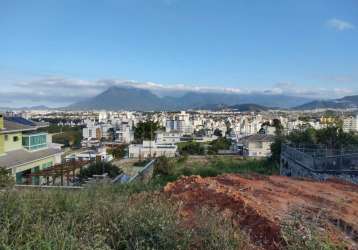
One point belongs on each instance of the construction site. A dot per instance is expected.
(260, 205)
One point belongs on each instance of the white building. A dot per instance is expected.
(92, 130)
(180, 123)
(124, 134)
(167, 137)
(91, 155)
(258, 145)
(350, 124)
(152, 149)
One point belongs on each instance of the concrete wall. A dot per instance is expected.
(10, 144)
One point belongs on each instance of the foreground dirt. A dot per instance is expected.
(261, 204)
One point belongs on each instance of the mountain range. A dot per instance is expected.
(129, 98)
(341, 103)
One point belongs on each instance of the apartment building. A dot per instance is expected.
(350, 124)
(25, 150)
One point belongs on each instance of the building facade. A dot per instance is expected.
(23, 150)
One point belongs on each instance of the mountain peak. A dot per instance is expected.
(131, 98)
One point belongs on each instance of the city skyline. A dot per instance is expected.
(56, 52)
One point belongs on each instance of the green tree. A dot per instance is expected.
(98, 168)
(218, 132)
(219, 144)
(191, 148)
(119, 151)
(145, 131)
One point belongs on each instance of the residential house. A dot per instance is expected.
(257, 145)
(25, 150)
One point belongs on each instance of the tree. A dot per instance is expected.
(119, 151)
(276, 148)
(98, 168)
(219, 144)
(218, 132)
(278, 126)
(191, 148)
(145, 131)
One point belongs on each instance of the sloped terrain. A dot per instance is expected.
(261, 204)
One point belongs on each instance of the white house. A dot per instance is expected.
(257, 145)
(152, 149)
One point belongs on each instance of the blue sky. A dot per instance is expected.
(56, 51)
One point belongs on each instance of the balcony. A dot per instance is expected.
(34, 142)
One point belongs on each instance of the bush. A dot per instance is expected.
(219, 144)
(163, 166)
(118, 152)
(104, 217)
(6, 180)
(191, 148)
(301, 234)
(99, 168)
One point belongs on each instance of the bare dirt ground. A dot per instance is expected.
(261, 204)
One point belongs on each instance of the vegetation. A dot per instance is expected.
(6, 180)
(191, 148)
(66, 135)
(145, 131)
(219, 144)
(98, 168)
(108, 217)
(302, 234)
(167, 169)
(218, 132)
(118, 152)
(331, 137)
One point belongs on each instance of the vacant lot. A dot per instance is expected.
(276, 211)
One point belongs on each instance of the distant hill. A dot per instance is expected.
(249, 107)
(40, 107)
(122, 98)
(341, 103)
(129, 98)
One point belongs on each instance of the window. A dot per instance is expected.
(34, 141)
(15, 138)
(6, 137)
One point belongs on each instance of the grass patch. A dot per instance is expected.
(167, 170)
(302, 234)
(103, 217)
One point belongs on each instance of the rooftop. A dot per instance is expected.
(22, 156)
(258, 138)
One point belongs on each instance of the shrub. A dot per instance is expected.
(98, 168)
(118, 152)
(6, 180)
(103, 217)
(163, 166)
(301, 234)
(191, 148)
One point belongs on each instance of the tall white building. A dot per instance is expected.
(180, 123)
(350, 124)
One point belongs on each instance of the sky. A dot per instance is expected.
(55, 52)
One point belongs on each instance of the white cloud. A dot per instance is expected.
(340, 25)
(63, 91)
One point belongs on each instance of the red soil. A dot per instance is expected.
(260, 204)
